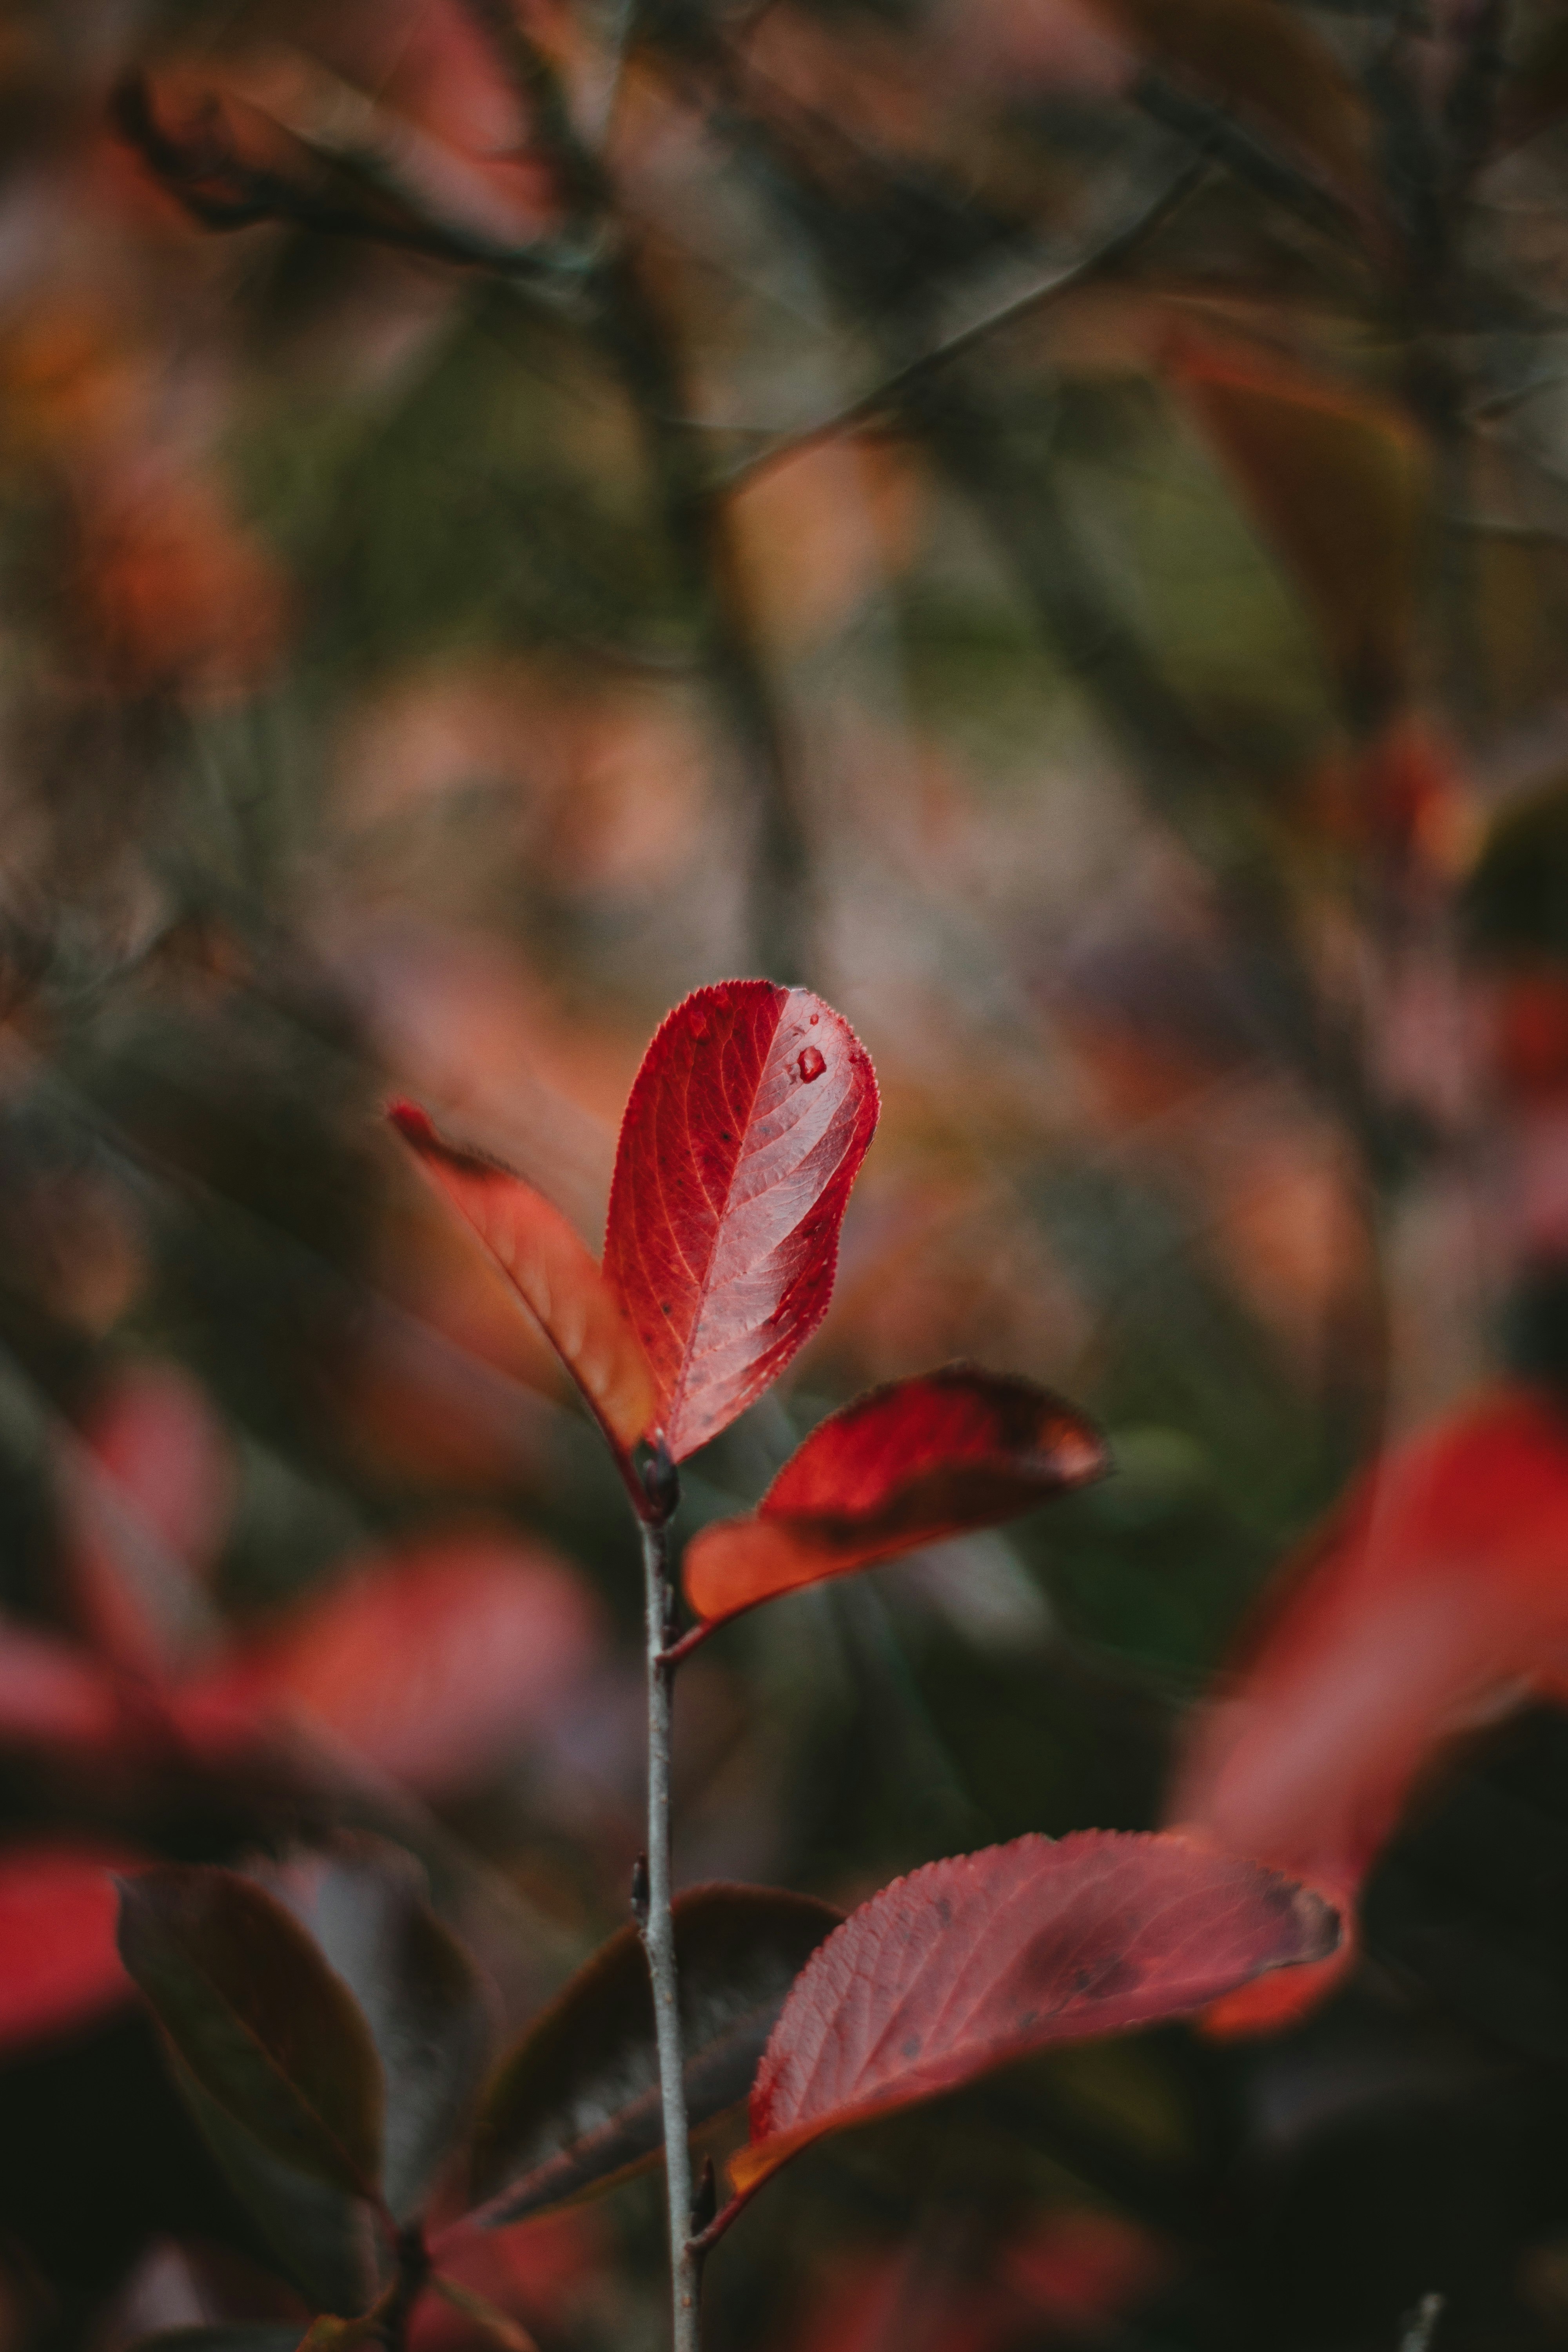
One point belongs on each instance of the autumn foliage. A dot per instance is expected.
(678, 1665)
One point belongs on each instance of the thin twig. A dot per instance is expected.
(647, 362)
(1214, 131)
(655, 1923)
(894, 389)
(412, 2276)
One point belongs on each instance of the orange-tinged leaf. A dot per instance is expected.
(746, 1128)
(433, 1664)
(1336, 480)
(905, 1465)
(552, 1271)
(1437, 1596)
(169, 595)
(989, 1957)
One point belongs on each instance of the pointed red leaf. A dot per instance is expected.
(902, 1465)
(552, 1269)
(989, 1957)
(744, 1131)
(1436, 1596)
(59, 1963)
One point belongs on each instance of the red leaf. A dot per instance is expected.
(1437, 1596)
(433, 1666)
(551, 1269)
(1073, 2268)
(59, 1962)
(901, 1465)
(990, 1955)
(744, 1131)
(53, 1693)
(144, 1503)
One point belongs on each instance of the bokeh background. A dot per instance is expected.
(1046, 522)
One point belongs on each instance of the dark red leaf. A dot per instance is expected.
(987, 1957)
(267, 2027)
(59, 1962)
(552, 1271)
(419, 1992)
(575, 2105)
(324, 2239)
(905, 1465)
(746, 1128)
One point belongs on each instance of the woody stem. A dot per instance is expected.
(655, 1923)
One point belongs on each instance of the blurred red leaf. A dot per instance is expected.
(52, 1692)
(540, 2272)
(1529, 1029)
(744, 1131)
(1075, 2268)
(59, 1962)
(171, 593)
(1436, 1597)
(919, 1459)
(1082, 2267)
(917, 2299)
(144, 1503)
(433, 1665)
(157, 1436)
(551, 1269)
(969, 1963)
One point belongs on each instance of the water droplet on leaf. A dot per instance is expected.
(811, 1065)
